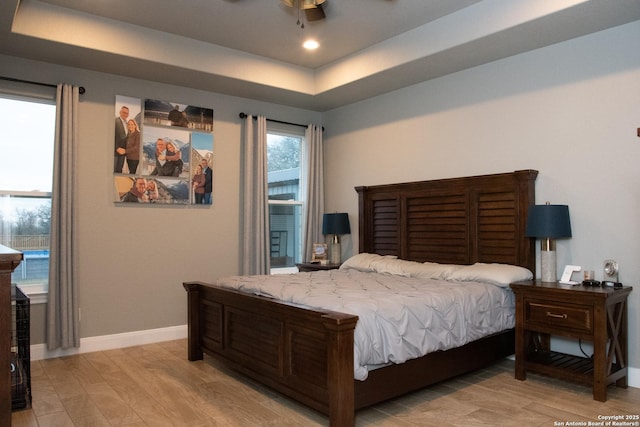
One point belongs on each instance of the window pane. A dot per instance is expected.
(285, 235)
(283, 152)
(25, 185)
(27, 140)
(285, 217)
(283, 164)
(24, 225)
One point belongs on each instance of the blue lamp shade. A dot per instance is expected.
(548, 221)
(336, 223)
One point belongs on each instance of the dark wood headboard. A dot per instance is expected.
(457, 220)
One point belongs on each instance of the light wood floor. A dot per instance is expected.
(154, 385)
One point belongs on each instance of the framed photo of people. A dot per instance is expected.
(319, 252)
(163, 152)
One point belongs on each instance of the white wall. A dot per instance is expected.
(570, 111)
(133, 259)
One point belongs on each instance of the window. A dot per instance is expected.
(285, 200)
(25, 186)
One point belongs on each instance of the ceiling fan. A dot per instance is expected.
(313, 9)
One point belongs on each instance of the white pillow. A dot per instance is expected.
(363, 261)
(398, 267)
(496, 274)
(434, 270)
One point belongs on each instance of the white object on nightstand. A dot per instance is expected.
(568, 272)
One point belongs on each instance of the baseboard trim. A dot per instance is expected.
(110, 342)
(634, 377)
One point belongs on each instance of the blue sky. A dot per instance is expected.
(202, 141)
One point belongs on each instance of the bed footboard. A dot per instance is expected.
(305, 354)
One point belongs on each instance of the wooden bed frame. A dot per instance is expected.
(307, 354)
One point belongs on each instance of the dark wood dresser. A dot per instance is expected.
(9, 260)
(589, 313)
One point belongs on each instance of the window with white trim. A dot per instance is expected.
(284, 147)
(26, 176)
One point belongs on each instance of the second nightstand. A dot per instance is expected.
(594, 314)
(316, 266)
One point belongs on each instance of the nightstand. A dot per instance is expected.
(594, 314)
(316, 266)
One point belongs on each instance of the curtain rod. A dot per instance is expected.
(81, 89)
(244, 116)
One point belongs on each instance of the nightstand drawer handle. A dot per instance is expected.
(557, 316)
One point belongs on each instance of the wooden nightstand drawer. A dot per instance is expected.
(571, 318)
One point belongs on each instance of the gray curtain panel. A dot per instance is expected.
(63, 326)
(313, 177)
(255, 245)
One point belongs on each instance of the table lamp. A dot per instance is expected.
(548, 222)
(335, 224)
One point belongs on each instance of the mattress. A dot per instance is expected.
(399, 317)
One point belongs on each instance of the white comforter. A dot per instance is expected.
(400, 318)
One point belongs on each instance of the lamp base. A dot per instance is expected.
(548, 266)
(335, 253)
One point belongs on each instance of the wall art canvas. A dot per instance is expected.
(127, 135)
(152, 190)
(163, 113)
(202, 174)
(164, 160)
(166, 152)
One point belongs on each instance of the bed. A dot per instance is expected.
(308, 353)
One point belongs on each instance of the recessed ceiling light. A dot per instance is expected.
(311, 44)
